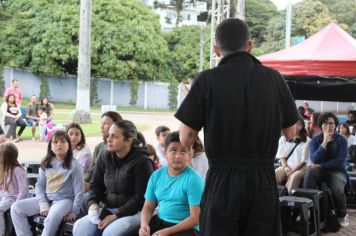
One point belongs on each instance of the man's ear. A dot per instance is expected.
(249, 46)
(217, 50)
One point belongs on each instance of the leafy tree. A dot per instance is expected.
(43, 36)
(258, 13)
(308, 18)
(344, 11)
(134, 91)
(184, 44)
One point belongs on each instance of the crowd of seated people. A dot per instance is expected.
(106, 192)
(126, 188)
(325, 163)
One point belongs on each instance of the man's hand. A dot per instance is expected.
(70, 217)
(145, 230)
(314, 165)
(106, 221)
(328, 137)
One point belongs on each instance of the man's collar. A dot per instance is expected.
(238, 56)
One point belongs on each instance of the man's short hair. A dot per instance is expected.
(232, 35)
(113, 115)
(161, 129)
(324, 118)
(14, 80)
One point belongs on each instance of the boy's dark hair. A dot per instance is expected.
(171, 138)
(232, 35)
(161, 129)
(325, 116)
(113, 115)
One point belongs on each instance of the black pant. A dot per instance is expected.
(157, 224)
(334, 179)
(13, 123)
(240, 200)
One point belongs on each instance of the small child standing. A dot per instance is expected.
(43, 123)
(13, 180)
(59, 189)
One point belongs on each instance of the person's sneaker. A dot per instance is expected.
(344, 221)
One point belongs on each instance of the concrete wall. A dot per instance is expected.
(150, 94)
(64, 89)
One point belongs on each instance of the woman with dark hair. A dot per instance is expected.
(80, 151)
(49, 107)
(59, 189)
(119, 182)
(313, 129)
(153, 156)
(12, 117)
(294, 155)
(344, 130)
(199, 160)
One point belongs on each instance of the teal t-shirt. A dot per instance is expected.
(174, 194)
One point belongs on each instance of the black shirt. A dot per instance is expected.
(121, 183)
(242, 106)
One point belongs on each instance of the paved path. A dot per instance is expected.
(36, 150)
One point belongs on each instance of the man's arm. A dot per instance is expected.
(186, 224)
(290, 132)
(146, 215)
(187, 135)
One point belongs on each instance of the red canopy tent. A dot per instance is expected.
(323, 67)
(330, 52)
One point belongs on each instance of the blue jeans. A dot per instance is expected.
(127, 225)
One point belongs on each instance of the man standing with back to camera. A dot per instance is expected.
(243, 106)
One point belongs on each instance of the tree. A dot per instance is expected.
(344, 11)
(308, 17)
(183, 43)
(43, 36)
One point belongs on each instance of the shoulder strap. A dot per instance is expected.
(291, 152)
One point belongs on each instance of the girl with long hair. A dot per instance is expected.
(59, 189)
(294, 155)
(13, 180)
(80, 151)
(344, 130)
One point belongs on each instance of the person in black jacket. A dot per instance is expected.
(119, 182)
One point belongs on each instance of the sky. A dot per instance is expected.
(281, 4)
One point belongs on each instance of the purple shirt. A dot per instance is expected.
(18, 187)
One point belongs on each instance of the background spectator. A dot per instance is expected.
(32, 117)
(15, 90)
(12, 117)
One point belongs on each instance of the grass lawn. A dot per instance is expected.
(88, 129)
(72, 107)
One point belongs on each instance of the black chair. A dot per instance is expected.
(9, 227)
(31, 166)
(304, 206)
(320, 205)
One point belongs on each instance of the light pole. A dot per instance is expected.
(288, 23)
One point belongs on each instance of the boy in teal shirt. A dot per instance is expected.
(176, 189)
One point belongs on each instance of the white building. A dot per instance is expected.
(189, 15)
